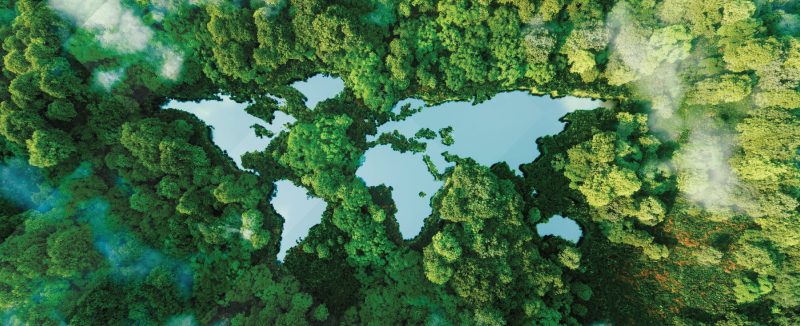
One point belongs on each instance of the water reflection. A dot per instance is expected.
(319, 88)
(502, 129)
(299, 210)
(231, 125)
(408, 177)
(560, 226)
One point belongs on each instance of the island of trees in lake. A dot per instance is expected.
(116, 211)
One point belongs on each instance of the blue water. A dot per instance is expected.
(560, 226)
(502, 129)
(231, 132)
(231, 125)
(407, 175)
(299, 210)
(319, 88)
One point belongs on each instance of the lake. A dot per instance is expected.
(231, 125)
(560, 226)
(502, 129)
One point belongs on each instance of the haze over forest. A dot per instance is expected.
(119, 204)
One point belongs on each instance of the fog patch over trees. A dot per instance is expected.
(121, 29)
(116, 209)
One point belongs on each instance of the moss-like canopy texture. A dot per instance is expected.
(117, 211)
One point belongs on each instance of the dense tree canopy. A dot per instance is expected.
(115, 210)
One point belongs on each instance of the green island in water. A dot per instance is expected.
(400, 162)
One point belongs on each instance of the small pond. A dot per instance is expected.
(560, 226)
(319, 88)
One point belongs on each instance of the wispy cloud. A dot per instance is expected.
(704, 172)
(652, 61)
(121, 29)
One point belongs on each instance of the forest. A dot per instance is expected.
(115, 210)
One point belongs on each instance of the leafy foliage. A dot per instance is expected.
(114, 211)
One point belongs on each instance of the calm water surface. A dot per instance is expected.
(502, 129)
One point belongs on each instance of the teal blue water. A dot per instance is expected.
(231, 125)
(561, 227)
(319, 88)
(231, 133)
(408, 176)
(502, 129)
(299, 210)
